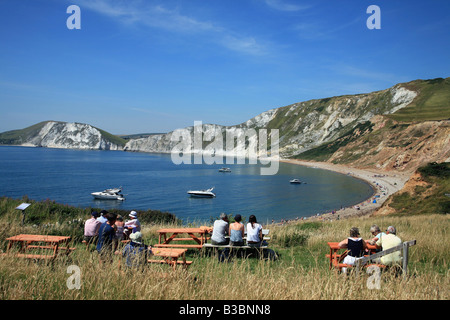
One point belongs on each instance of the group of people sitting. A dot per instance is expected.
(357, 247)
(106, 230)
(225, 233)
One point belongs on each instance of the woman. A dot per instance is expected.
(356, 247)
(254, 232)
(120, 227)
(237, 232)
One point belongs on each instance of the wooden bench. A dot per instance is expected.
(365, 261)
(404, 247)
(29, 256)
(339, 265)
(51, 247)
(35, 256)
(187, 263)
(185, 246)
(210, 245)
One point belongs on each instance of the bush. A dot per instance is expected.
(441, 170)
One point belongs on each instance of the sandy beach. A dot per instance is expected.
(384, 183)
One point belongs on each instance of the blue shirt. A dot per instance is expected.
(106, 235)
(135, 254)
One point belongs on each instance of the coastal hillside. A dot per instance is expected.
(56, 134)
(319, 129)
(399, 128)
(386, 144)
(413, 136)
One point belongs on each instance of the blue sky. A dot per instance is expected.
(140, 66)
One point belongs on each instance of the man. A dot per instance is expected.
(220, 230)
(106, 234)
(388, 241)
(91, 227)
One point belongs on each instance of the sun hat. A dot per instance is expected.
(136, 237)
(133, 214)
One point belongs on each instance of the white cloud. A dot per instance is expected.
(172, 20)
(283, 6)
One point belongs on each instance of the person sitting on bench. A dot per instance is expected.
(220, 230)
(237, 232)
(356, 247)
(254, 232)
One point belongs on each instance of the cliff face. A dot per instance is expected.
(398, 128)
(70, 136)
(397, 146)
(302, 126)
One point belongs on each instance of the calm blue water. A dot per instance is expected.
(152, 181)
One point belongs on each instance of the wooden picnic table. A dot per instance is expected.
(39, 242)
(336, 258)
(170, 256)
(167, 235)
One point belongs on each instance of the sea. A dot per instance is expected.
(153, 181)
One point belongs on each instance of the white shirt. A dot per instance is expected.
(134, 224)
(220, 229)
(253, 232)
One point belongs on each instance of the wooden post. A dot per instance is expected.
(405, 259)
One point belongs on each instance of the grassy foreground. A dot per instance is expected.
(300, 273)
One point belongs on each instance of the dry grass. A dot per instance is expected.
(300, 273)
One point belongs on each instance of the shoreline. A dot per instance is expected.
(383, 182)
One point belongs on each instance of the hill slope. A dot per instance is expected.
(400, 128)
(318, 123)
(55, 134)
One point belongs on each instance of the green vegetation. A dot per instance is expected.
(59, 219)
(137, 136)
(16, 137)
(431, 103)
(113, 138)
(430, 199)
(301, 271)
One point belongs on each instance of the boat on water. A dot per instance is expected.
(224, 169)
(109, 194)
(202, 193)
(295, 181)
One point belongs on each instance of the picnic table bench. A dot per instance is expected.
(50, 243)
(170, 256)
(210, 245)
(336, 259)
(169, 235)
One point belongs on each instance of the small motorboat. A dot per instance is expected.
(295, 181)
(224, 169)
(109, 194)
(202, 193)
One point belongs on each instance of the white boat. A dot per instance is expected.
(224, 169)
(295, 181)
(109, 194)
(202, 193)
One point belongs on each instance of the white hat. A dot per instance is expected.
(133, 214)
(136, 237)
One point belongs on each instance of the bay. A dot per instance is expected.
(153, 181)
